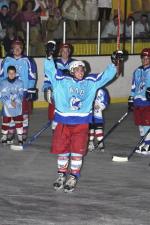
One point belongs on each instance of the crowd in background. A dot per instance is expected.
(46, 21)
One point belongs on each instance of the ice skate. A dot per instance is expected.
(10, 139)
(20, 140)
(100, 147)
(4, 139)
(145, 150)
(70, 184)
(141, 149)
(59, 183)
(91, 146)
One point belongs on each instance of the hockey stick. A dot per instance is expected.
(113, 127)
(33, 138)
(122, 158)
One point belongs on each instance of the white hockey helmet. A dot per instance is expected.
(76, 64)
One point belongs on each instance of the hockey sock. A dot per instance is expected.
(76, 164)
(99, 133)
(63, 162)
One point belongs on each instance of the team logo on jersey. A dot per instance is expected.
(75, 103)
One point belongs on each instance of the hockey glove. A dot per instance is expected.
(117, 56)
(48, 95)
(130, 103)
(148, 93)
(50, 48)
(32, 94)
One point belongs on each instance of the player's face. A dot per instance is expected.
(11, 74)
(17, 51)
(65, 53)
(145, 61)
(79, 72)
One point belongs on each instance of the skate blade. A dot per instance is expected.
(120, 158)
(16, 147)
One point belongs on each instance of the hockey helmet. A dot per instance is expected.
(145, 52)
(50, 47)
(75, 64)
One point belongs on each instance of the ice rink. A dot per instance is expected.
(108, 193)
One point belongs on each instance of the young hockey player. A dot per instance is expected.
(27, 71)
(73, 96)
(96, 132)
(139, 99)
(11, 96)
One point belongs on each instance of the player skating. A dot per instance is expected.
(139, 99)
(73, 96)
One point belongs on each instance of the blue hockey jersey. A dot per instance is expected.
(140, 82)
(100, 103)
(61, 65)
(11, 92)
(26, 70)
(73, 98)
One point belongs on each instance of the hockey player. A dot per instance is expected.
(139, 99)
(27, 71)
(73, 96)
(96, 132)
(65, 59)
(61, 63)
(11, 96)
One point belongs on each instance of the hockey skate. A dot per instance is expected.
(20, 139)
(4, 139)
(59, 183)
(100, 147)
(91, 146)
(141, 149)
(70, 184)
(10, 139)
(145, 150)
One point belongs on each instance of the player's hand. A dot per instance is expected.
(48, 95)
(130, 103)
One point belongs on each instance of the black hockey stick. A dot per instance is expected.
(33, 138)
(113, 127)
(122, 158)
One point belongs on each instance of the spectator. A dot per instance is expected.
(15, 15)
(142, 27)
(73, 11)
(11, 35)
(104, 8)
(54, 25)
(35, 26)
(111, 28)
(4, 16)
(128, 26)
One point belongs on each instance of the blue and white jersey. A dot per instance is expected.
(100, 103)
(140, 82)
(63, 65)
(26, 70)
(74, 98)
(11, 92)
